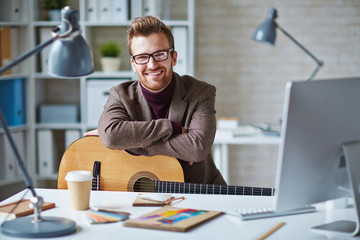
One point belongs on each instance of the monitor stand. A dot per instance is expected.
(351, 153)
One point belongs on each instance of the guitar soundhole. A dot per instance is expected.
(144, 185)
(142, 182)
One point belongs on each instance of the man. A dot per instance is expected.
(162, 113)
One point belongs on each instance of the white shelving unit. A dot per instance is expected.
(41, 88)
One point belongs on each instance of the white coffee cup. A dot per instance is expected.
(79, 185)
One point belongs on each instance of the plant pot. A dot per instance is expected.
(54, 15)
(110, 64)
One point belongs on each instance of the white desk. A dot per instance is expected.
(223, 227)
(224, 138)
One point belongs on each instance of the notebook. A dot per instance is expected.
(173, 219)
(141, 201)
(22, 209)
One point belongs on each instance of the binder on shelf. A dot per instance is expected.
(71, 136)
(92, 8)
(136, 8)
(58, 113)
(12, 11)
(151, 7)
(19, 142)
(12, 101)
(46, 153)
(105, 11)
(119, 10)
(5, 47)
(7, 162)
(181, 43)
(45, 34)
(97, 93)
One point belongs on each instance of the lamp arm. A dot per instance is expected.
(314, 72)
(319, 62)
(20, 163)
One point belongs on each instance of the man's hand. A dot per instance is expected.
(92, 133)
(183, 130)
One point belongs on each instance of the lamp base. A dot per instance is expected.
(50, 227)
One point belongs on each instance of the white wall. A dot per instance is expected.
(250, 76)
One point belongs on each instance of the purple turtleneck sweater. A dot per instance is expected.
(160, 104)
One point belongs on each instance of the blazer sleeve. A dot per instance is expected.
(196, 144)
(121, 128)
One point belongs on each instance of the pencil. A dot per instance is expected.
(271, 231)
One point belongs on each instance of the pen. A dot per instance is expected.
(271, 231)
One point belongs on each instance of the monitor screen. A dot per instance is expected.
(318, 117)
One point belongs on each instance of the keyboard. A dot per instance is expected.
(266, 212)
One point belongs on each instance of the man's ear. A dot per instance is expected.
(174, 58)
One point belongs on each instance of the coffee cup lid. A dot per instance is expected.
(78, 176)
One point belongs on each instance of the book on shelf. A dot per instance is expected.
(5, 47)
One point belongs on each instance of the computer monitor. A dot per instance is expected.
(318, 117)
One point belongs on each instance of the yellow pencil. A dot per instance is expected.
(271, 231)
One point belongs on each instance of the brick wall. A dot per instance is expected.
(250, 76)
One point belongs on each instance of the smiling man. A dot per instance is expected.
(162, 113)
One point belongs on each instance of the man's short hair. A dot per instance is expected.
(147, 25)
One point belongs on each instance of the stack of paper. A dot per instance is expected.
(95, 217)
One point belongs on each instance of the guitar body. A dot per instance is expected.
(120, 171)
(117, 170)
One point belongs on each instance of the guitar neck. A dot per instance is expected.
(195, 188)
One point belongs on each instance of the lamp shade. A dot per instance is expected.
(70, 55)
(266, 32)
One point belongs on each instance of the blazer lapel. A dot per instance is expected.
(178, 105)
(142, 108)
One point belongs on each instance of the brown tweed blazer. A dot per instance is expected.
(127, 124)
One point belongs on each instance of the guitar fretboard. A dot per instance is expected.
(194, 188)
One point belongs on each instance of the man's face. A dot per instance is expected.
(153, 75)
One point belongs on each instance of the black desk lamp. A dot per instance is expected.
(70, 56)
(266, 32)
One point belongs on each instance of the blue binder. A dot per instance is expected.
(12, 101)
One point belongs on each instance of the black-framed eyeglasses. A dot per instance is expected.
(158, 56)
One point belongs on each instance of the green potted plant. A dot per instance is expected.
(110, 52)
(54, 8)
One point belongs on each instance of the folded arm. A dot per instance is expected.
(118, 130)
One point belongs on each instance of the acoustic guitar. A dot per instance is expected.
(117, 170)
